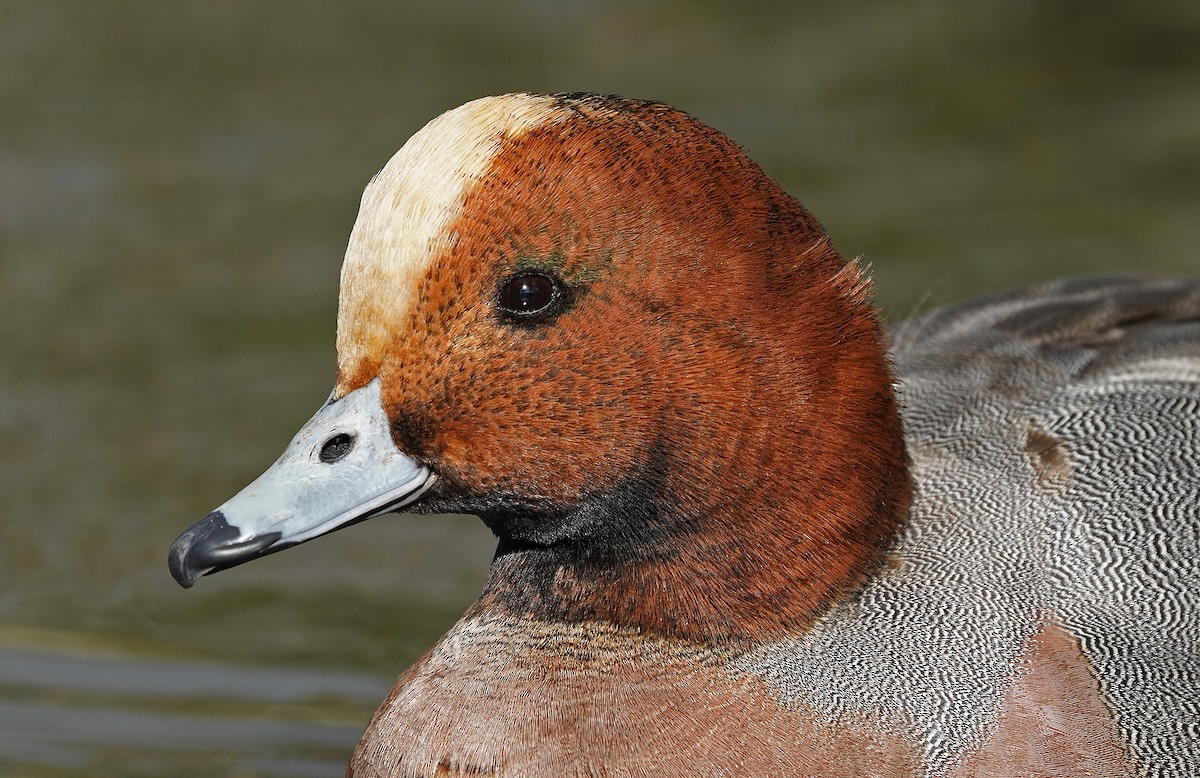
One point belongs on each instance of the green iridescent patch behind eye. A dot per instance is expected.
(578, 275)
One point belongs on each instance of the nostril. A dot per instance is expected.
(336, 447)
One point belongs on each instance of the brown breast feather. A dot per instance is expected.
(516, 698)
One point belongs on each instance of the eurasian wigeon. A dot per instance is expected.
(732, 541)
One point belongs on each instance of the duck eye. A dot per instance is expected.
(528, 294)
(336, 447)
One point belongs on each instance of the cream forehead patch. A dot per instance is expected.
(404, 220)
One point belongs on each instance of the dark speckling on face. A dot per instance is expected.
(655, 222)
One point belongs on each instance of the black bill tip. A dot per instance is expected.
(210, 545)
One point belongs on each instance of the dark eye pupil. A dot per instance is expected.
(336, 447)
(527, 294)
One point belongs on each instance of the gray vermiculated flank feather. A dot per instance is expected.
(1055, 438)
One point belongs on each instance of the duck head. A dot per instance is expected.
(599, 326)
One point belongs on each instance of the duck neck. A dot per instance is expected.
(752, 531)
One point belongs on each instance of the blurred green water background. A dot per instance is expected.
(177, 181)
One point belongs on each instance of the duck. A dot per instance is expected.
(742, 528)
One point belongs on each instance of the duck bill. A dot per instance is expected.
(341, 468)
